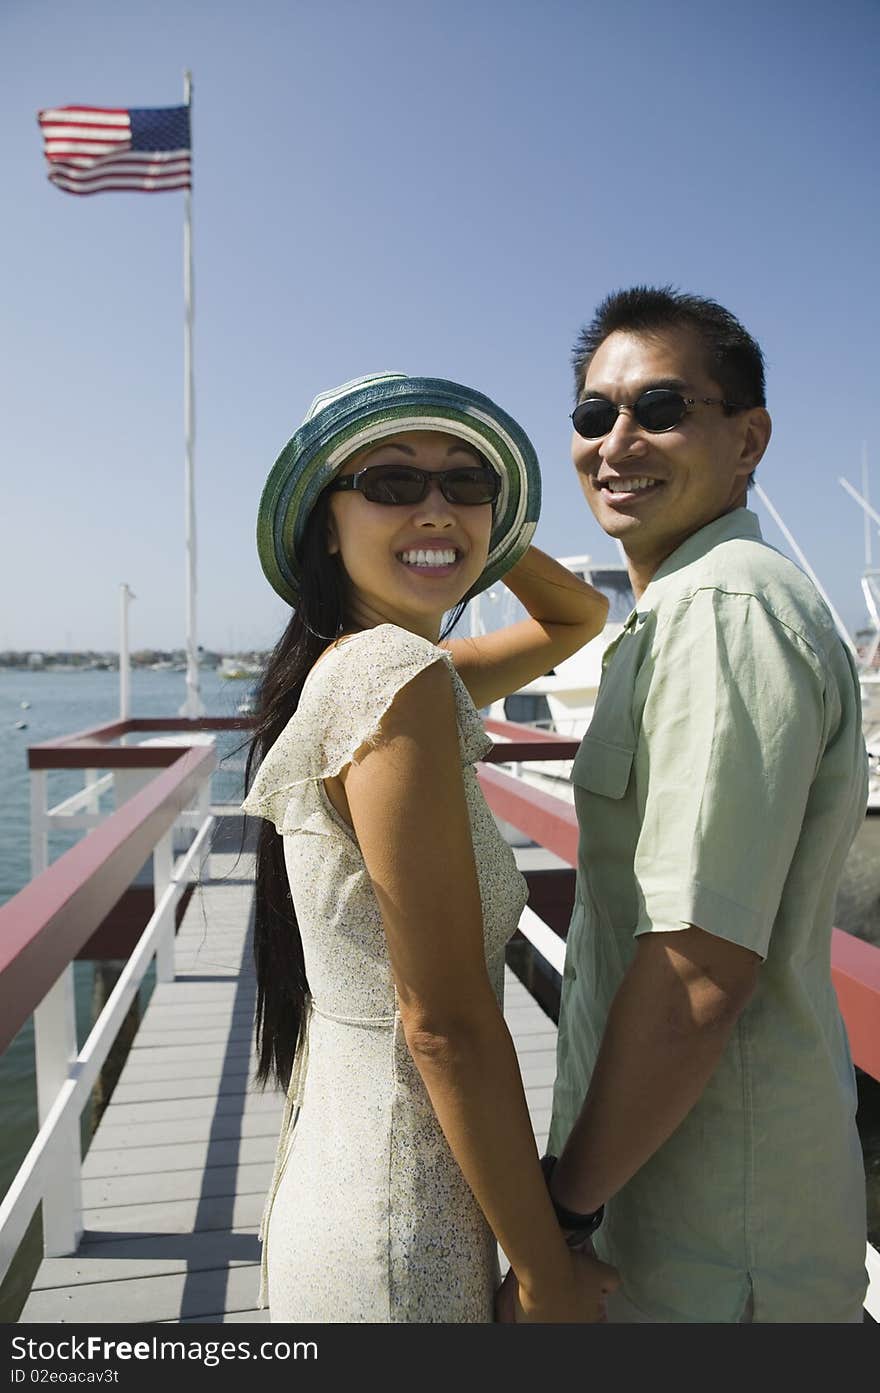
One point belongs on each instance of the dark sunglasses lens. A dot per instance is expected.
(659, 410)
(594, 417)
(471, 486)
(393, 484)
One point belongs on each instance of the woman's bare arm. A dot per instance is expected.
(565, 613)
(405, 798)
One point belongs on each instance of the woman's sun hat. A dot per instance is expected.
(360, 413)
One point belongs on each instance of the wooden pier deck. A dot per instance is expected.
(176, 1174)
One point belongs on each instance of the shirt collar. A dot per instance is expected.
(739, 523)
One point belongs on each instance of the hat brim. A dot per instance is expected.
(390, 406)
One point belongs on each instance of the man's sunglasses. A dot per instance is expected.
(395, 484)
(656, 410)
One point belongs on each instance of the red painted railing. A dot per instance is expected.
(93, 748)
(552, 823)
(43, 927)
(46, 924)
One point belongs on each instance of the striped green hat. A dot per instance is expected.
(348, 418)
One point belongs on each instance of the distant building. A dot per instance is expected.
(35, 660)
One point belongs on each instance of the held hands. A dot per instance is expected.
(582, 1302)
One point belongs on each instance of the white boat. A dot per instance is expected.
(239, 668)
(869, 680)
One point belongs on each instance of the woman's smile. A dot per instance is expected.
(431, 559)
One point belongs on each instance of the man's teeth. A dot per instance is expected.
(627, 485)
(428, 558)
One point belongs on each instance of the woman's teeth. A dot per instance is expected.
(428, 558)
(627, 485)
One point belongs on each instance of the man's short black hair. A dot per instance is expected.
(734, 359)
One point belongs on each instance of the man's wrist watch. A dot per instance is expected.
(579, 1227)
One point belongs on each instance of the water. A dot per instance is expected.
(61, 703)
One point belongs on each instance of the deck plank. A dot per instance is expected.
(205, 1296)
(109, 1190)
(149, 1255)
(143, 1108)
(233, 1211)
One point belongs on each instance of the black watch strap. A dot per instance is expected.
(579, 1226)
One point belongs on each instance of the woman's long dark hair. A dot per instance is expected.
(319, 618)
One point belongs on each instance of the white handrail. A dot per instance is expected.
(83, 798)
(872, 1297)
(39, 1165)
(543, 938)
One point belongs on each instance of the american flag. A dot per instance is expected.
(98, 149)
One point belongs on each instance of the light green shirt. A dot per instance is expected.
(721, 782)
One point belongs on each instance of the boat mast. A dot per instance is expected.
(841, 627)
(869, 575)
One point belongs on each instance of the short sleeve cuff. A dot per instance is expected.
(669, 911)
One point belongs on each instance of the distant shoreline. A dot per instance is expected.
(158, 660)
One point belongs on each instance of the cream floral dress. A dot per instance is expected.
(369, 1217)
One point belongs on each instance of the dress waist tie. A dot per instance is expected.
(292, 1105)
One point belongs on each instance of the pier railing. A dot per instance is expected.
(159, 787)
(163, 785)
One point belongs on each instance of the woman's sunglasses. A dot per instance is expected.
(656, 410)
(402, 483)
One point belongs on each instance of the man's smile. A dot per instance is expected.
(623, 490)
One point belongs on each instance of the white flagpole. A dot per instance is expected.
(193, 706)
(868, 562)
(125, 595)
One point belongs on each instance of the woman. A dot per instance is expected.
(383, 908)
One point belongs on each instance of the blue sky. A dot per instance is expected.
(440, 188)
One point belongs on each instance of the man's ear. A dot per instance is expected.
(756, 438)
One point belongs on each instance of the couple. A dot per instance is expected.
(706, 1163)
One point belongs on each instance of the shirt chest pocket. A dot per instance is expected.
(602, 768)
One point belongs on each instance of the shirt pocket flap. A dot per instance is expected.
(602, 768)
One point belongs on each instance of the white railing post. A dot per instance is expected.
(203, 804)
(54, 1049)
(39, 822)
(163, 869)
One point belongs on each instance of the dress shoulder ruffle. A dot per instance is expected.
(340, 713)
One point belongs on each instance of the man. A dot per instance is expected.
(705, 1094)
